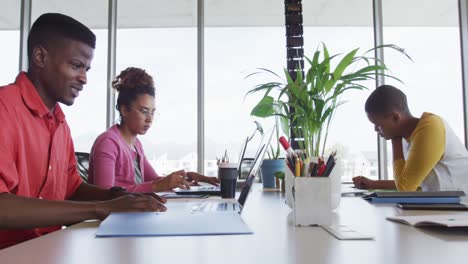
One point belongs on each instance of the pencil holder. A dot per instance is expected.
(288, 184)
(335, 178)
(312, 201)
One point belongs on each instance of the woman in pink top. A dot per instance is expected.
(117, 157)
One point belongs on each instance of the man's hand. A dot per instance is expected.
(155, 196)
(129, 203)
(171, 181)
(194, 178)
(119, 191)
(362, 182)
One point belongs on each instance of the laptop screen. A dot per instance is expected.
(241, 156)
(264, 144)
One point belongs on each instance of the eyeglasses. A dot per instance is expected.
(147, 113)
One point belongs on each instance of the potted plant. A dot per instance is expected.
(315, 96)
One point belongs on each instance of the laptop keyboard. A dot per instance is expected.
(206, 188)
(225, 207)
(210, 207)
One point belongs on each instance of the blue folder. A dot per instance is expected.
(172, 224)
(415, 200)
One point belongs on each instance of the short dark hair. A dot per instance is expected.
(131, 83)
(386, 99)
(51, 26)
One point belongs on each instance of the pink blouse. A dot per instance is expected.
(111, 163)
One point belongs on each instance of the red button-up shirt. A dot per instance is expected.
(37, 157)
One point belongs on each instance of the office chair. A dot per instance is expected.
(82, 164)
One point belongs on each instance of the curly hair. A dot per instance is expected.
(131, 83)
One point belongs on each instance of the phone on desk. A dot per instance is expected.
(454, 207)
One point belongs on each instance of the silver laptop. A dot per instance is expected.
(227, 205)
(215, 190)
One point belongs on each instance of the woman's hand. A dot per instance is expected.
(362, 182)
(171, 181)
(194, 178)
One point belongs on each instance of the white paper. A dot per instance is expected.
(436, 220)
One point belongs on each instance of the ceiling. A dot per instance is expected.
(239, 13)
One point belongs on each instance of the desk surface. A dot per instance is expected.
(275, 240)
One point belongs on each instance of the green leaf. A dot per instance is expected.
(279, 174)
(326, 56)
(342, 65)
(289, 79)
(284, 122)
(264, 108)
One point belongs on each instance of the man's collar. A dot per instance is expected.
(33, 100)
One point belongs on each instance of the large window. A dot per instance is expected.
(432, 82)
(87, 116)
(231, 55)
(9, 34)
(239, 39)
(168, 51)
(350, 134)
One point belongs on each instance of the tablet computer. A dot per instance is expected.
(453, 207)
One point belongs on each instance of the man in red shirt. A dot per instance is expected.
(40, 188)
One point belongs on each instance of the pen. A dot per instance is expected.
(226, 158)
(314, 170)
(329, 168)
(330, 158)
(286, 146)
(321, 170)
(330, 164)
(298, 167)
(305, 169)
(319, 166)
(290, 163)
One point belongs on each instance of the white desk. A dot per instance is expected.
(275, 241)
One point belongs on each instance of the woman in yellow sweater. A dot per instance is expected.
(427, 154)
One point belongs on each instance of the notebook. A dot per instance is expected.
(432, 220)
(170, 224)
(430, 206)
(417, 194)
(442, 197)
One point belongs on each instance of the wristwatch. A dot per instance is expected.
(117, 191)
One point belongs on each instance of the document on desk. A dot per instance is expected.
(447, 197)
(172, 224)
(432, 220)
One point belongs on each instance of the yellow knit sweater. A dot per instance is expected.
(427, 149)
